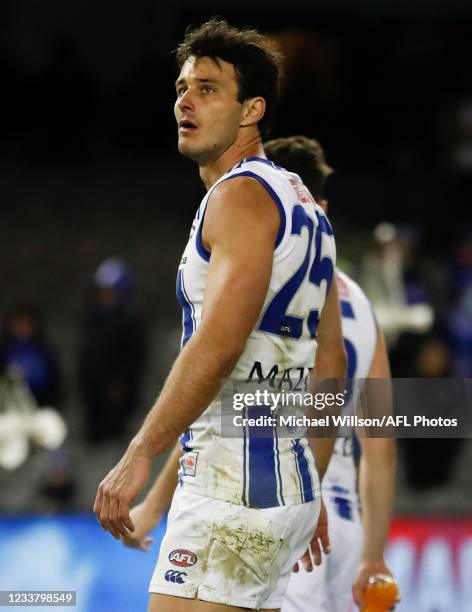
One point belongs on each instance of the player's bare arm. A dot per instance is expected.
(376, 488)
(240, 229)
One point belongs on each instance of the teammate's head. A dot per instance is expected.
(305, 157)
(229, 79)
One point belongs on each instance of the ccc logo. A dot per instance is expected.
(175, 576)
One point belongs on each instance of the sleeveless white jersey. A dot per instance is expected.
(262, 472)
(360, 337)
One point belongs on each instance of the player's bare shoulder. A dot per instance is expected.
(240, 205)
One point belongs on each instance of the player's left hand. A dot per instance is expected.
(117, 491)
(364, 571)
(319, 542)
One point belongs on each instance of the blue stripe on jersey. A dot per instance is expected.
(263, 160)
(244, 499)
(188, 318)
(202, 251)
(261, 458)
(325, 225)
(274, 196)
(185, 439)
(302, 497)
(346, 310)
(304, 471)
(277, 458)
(312, 322)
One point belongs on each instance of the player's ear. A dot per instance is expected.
(252, 111)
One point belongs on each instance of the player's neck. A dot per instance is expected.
(240, 149)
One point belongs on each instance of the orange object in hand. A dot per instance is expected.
(381, 594)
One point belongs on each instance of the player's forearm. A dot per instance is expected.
(159, 496)
(328, 377)
(322, 449)
(376, 487)
(193, 383)
(331, 366)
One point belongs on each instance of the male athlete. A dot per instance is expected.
(357, 542)
(255, 285)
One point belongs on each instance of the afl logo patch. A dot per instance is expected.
(183, 558)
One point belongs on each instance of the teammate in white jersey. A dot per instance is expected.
(255, 285)
(357, 540)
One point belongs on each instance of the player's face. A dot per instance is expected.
(207, 110)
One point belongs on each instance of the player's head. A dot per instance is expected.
(229, 81)
(305, 157)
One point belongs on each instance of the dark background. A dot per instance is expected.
(89, 167)
(88, 135)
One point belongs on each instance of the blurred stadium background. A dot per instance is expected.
(89, 171)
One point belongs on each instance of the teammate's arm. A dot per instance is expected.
(376, 487)
(149, 512)
(240, 229)
(330, 366)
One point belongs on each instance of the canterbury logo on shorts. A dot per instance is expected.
(174, 576)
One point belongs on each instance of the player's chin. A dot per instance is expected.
(188, 149)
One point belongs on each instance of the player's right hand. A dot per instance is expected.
(119, 488)
(144, 521)
(365, 570)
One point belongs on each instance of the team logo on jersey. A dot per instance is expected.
(302, 192)
(183, 558)
(189, 463)
(175, 576)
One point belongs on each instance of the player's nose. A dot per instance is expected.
(186, 101)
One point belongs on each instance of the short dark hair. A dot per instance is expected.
(257, 63)
(305, 157)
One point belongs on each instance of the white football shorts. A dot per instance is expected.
(229, 554)
(328, 588)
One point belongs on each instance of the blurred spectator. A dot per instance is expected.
(112, 353)
(26, 353)
(455, 132)
(429, 462)
(26, 356)
(394, 282)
